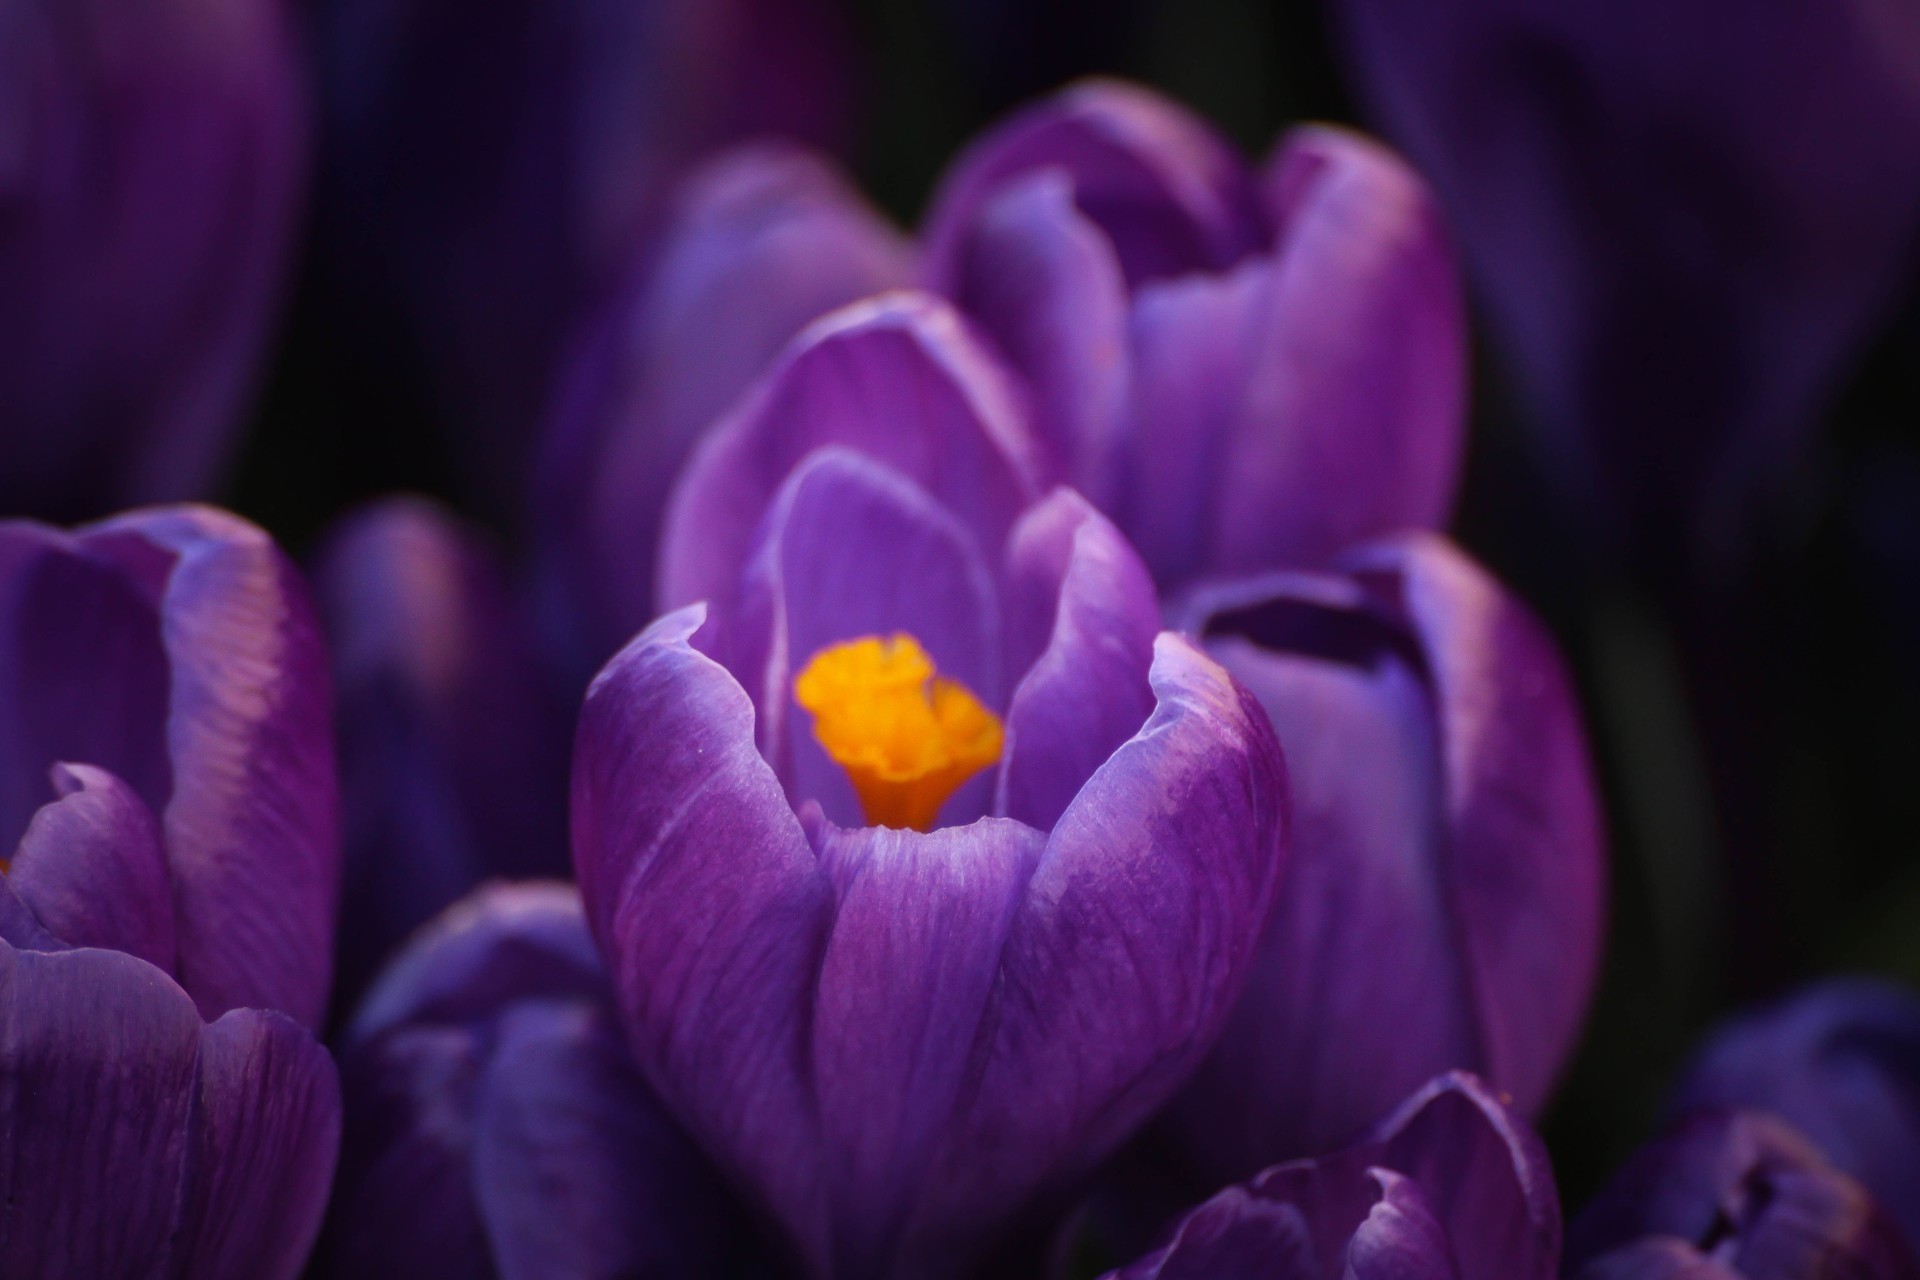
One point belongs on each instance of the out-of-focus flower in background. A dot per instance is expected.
(1452, 1185)
(496, 1125)
(490, 175)
(912, 1046)
(1684, 222)
(1443, 904)
(453, 738)
(152, 161)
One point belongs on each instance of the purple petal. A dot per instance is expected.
(852, 549)
(1400, 1238)
(265, 1137)
(897, 378)
(83, 674)
(1170, 195)
(252, 825)
(576, 1170)
(1658, 1258)
(1044, 281)
(1840, 1061)
(1315, 397)
(1233, 1234)
(93, 871)
(707, 903)
(452, 744)
(1130, 947)
(766, 239)
(1086, 693)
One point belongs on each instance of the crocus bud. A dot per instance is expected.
(495, 1124)
(1840, 1061)
(925, 869)
(1734, 1196)
(152, 159)
(1444, 905)
(1451, 1186)
(453, 744)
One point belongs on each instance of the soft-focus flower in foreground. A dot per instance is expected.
(491, 174)
(453, 743)
(166, 668)
(152, 158)
(495, 1123)
(1244, 370)
(1839, 1060)
(924, 870)
(1452, 1186)
(1443, 905)
(1734, 1196)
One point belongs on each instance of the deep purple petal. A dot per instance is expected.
(252, 825)
(707, 903)
(452, 743)
(897, 378)
(576, 1170)
(766, 239)
(850, 549)
(1233, 1234)
(1044, 281)
(92, 868)
(1168, 193)
(904, 984)
(1656, 1258)
(1400, 1238)
(1840, 1061)
(266, 1133)
(1086, 693)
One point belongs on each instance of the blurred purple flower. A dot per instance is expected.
(489, 177)
(496, 1126)
(910, 1045)
(152, 159)
(166, 667)
(453, 744)
(1685, 221)
(1839, 1060)
(1734, 1196)
(1452, 1186)
(1444, 904)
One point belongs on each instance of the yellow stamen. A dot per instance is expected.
(906, 736)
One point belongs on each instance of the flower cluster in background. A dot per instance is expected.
(920, 639)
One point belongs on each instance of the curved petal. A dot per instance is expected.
(1086, 693)
(1840, 1061)
(1170, 195)
(766, 239)
(1657, 1258)
(83, 673)
(1043, 280)
(266, 1134)
(452, 742)
(897, 378)
(709, 908)
(1233, 1234)
(252, 825)
(576, 1170)
(93, 871)
(1400, 1238)
(1130, 947)
(851, 548)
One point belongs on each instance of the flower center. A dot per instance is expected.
(906, 736)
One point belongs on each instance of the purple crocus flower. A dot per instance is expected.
(496, 1126)
(1444, 903)
(453, 744)
(1734, 1196)
(152, 158)
(1840, 1060)
(1684, 220)
(1452, 1186)
(165, 666)
(924, 870)
(490, 176)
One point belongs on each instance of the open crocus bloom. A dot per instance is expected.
(909, 1044)
(1444, 902)
(1452, 1186)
